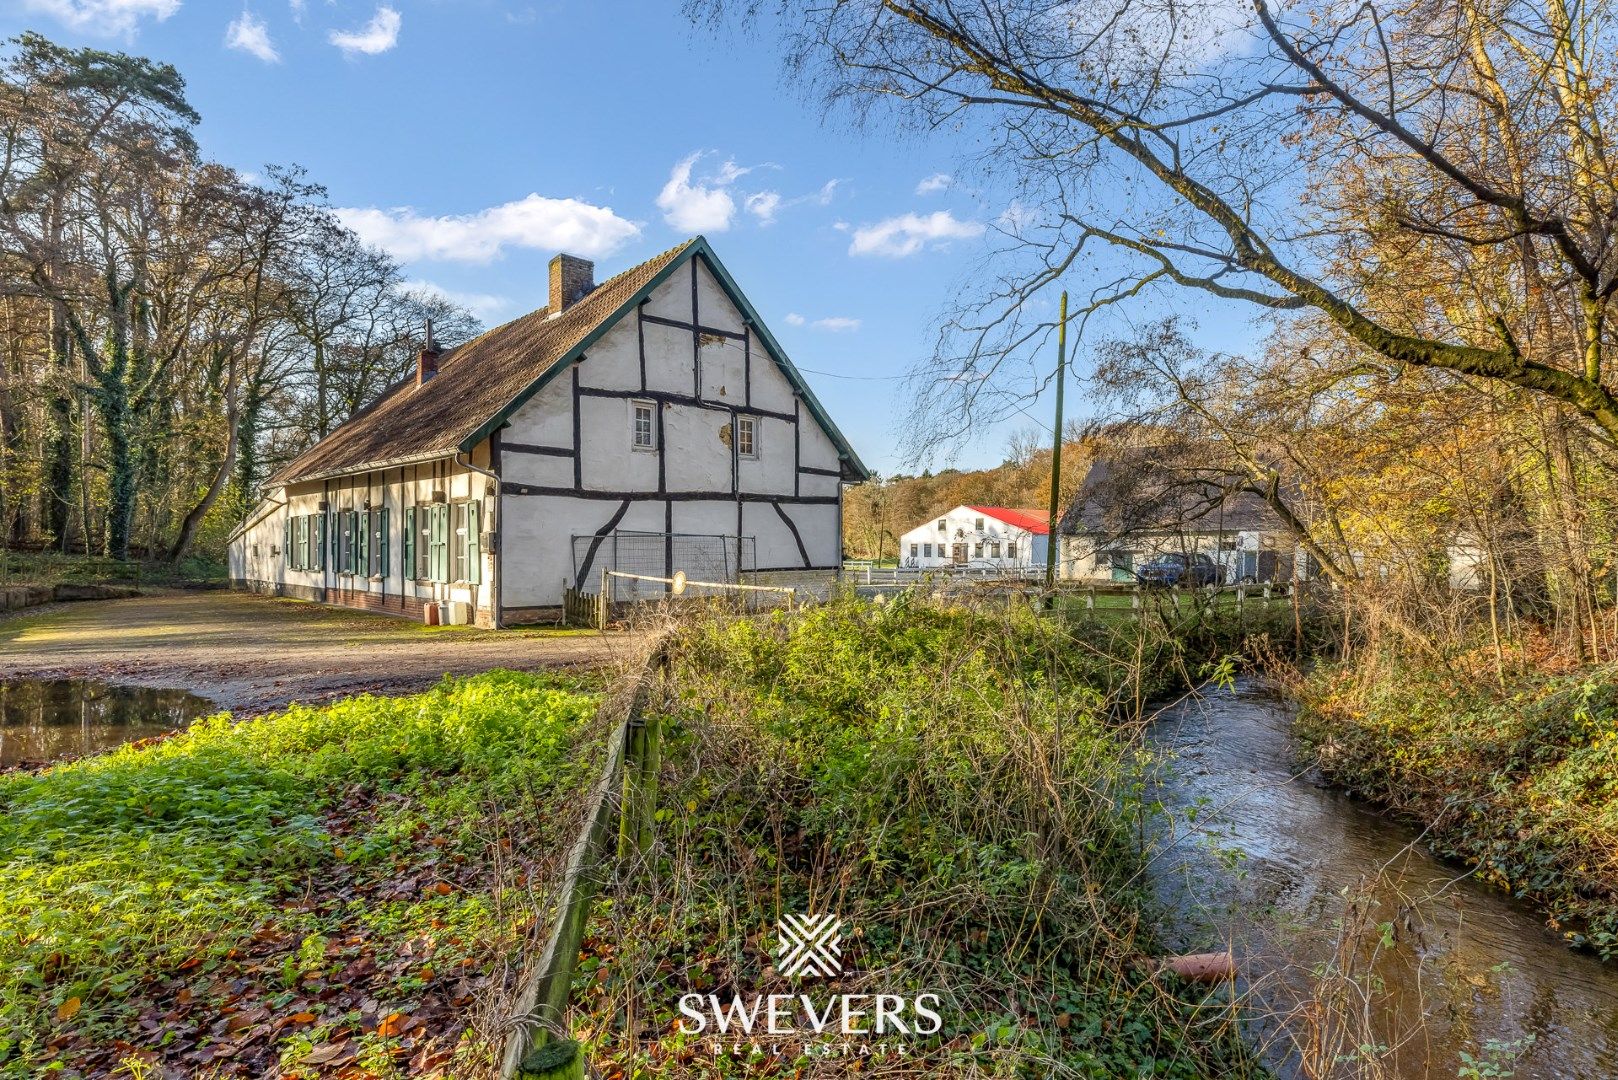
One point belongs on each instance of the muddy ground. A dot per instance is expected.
(251, 654)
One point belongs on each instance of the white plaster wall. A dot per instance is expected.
(546, 419)
(696, 454)
(724, 366)
(771, 472)
(668, 356)
(613, 362)
(716, 309)
(608, 460)
(536, 470)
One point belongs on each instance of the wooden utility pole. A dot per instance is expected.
(1056, 457)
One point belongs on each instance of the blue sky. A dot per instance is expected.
(475, 138)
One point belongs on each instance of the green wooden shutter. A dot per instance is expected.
(363, 559)
(474, 543)
(440, 547)
(320, 542)
(286, 546)
(382, 542)
(407, 565)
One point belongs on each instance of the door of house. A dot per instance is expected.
(959, 554)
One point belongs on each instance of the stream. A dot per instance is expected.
(1439, 973)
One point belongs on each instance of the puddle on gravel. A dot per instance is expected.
(47, 720)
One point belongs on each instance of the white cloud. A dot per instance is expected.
(907, 234)
(377, 36)
(486, 306)
(934, 184)
(822, 197)
(250, 34)
(107, 17)
(298, 7)
(532, 222)
(707, 202)
(835, 324)
(763, 205)
(701, 207)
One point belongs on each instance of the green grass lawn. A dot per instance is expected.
(316, 888)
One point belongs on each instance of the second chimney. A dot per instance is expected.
(427, 359)
(572, 279)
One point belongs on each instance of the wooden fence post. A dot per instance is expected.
(603, 605)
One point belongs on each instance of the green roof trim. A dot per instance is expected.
(855, 468)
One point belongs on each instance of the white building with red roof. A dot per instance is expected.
(979, 538)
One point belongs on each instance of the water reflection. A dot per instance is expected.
(44, 720)
(1432, 967)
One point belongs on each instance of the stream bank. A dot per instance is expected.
(1436, 973)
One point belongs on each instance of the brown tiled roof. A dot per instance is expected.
(474, 382)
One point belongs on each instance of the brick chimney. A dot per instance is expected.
(427, 359)
(572, 278)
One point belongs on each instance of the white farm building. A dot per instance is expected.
(978, 538)
(651, 419)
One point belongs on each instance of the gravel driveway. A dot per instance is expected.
(251, 653)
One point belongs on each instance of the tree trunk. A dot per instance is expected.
(193, 519)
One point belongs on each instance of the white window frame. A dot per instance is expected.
(943, 525)
(650, 445)
(747, 436)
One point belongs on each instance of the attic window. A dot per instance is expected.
(643, 425)
(747, 436)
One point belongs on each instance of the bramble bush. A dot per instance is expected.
(952, 783)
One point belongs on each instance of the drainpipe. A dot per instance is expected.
(499, 522)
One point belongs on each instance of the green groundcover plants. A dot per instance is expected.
(1519, 780)
(323, 889)
(951, 784)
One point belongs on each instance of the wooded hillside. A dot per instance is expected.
(876, 513)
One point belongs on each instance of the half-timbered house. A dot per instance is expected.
(652, 413)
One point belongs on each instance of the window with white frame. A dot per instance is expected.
(643, 425)
(747, 436)
(943, 526)
(915, 549)
(1011, 549)
(927, 550)
(979, 525)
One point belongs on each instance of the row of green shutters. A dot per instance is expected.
(352, 531)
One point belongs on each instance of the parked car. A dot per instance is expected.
(1178, 569)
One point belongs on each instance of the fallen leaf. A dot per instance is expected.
(68, 1009)
(392, 1024)
(441, 888)
(303, 1018)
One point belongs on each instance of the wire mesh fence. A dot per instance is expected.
(702, 557)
